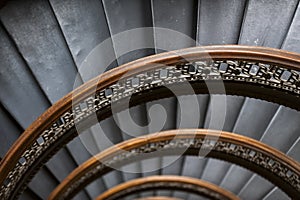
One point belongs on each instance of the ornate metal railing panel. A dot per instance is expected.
(251, 154)
(178, 183)
(249, 71)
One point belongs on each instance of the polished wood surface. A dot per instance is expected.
(181, 183)
(278, 57)
(77, 180)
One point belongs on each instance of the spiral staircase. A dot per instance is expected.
(45, 43)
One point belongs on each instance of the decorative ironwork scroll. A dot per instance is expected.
(263, 73)
(256, 156)
(177, 183)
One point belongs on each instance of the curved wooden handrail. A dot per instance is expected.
(177, 183)
(249, 153)
(13, 176)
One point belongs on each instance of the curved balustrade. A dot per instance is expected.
(262, 73)
(258, 157)
(177, 183)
